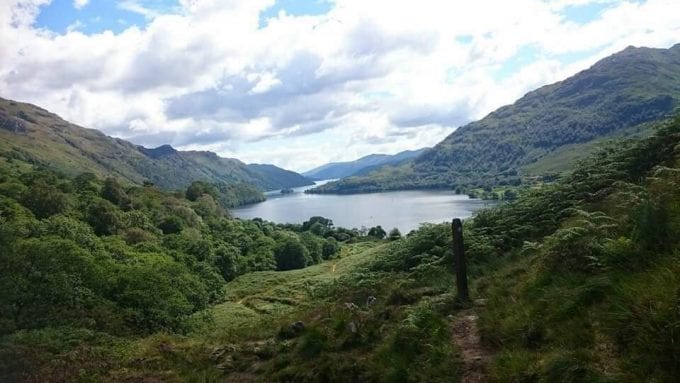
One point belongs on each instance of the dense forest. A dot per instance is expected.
(579, 279)
(543, 132)
(86, 254)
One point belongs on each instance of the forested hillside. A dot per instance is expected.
(32, 134)
(363, 165)
(86, 259)
(578, 279)
(617, 96)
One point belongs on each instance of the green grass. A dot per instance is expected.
(247, 336)
(263, 296)
(621, 325)
(238, 337)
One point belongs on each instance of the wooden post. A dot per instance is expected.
(459, 260)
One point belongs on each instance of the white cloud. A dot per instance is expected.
(78, 4)
(368, 76)
(76, 25)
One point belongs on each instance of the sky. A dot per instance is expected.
(299, 83)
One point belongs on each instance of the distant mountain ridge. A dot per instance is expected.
(32, 134)
(547, 128)
(360, 166)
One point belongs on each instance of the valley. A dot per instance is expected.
(481, 192)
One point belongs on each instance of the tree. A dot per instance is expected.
(44, 200)
(69, 228)
(103, 217)
(330, 248)
(377, 232)
(314, 245)
(199, 188)
(46, 281)
(317, 228)
(510, 195)
(207, 208)
(113, 192)
(290, 254)
(171, 225)
(158, 293)
(394, 234)
(86, 183)
(225, 260)
(342, 237)
(326, 223)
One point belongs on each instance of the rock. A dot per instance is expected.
(371, 300)
(165, 347)
(296, 328)
(139, 360)
(24, 116)
(292, 330)
(217, 353)
(480, 302)
(12, 124)
(263, 349)
(227, 364)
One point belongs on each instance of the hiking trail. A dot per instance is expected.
(475, 355)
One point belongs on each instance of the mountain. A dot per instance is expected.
(546, 130)
(275, 178)
(361, 166)
(34, 135)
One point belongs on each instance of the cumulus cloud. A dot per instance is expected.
(78, 4)
(298, 91)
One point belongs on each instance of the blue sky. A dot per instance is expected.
(334, 80)
(585, 13)
(100, 15)
(97, 16)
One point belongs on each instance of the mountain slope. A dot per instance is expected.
(616, 96)
(35, 135)
(274, 177)
(360, 166)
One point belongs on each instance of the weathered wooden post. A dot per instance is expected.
(459, 260)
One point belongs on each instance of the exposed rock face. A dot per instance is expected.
(297, 327)
(12, 124)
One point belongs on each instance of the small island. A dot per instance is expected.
(287, 191)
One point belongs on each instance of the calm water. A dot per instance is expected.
(402, 209)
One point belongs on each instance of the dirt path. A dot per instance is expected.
(475, 355)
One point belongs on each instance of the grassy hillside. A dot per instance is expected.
(33, 134)
(587, 288)
(613, 97)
